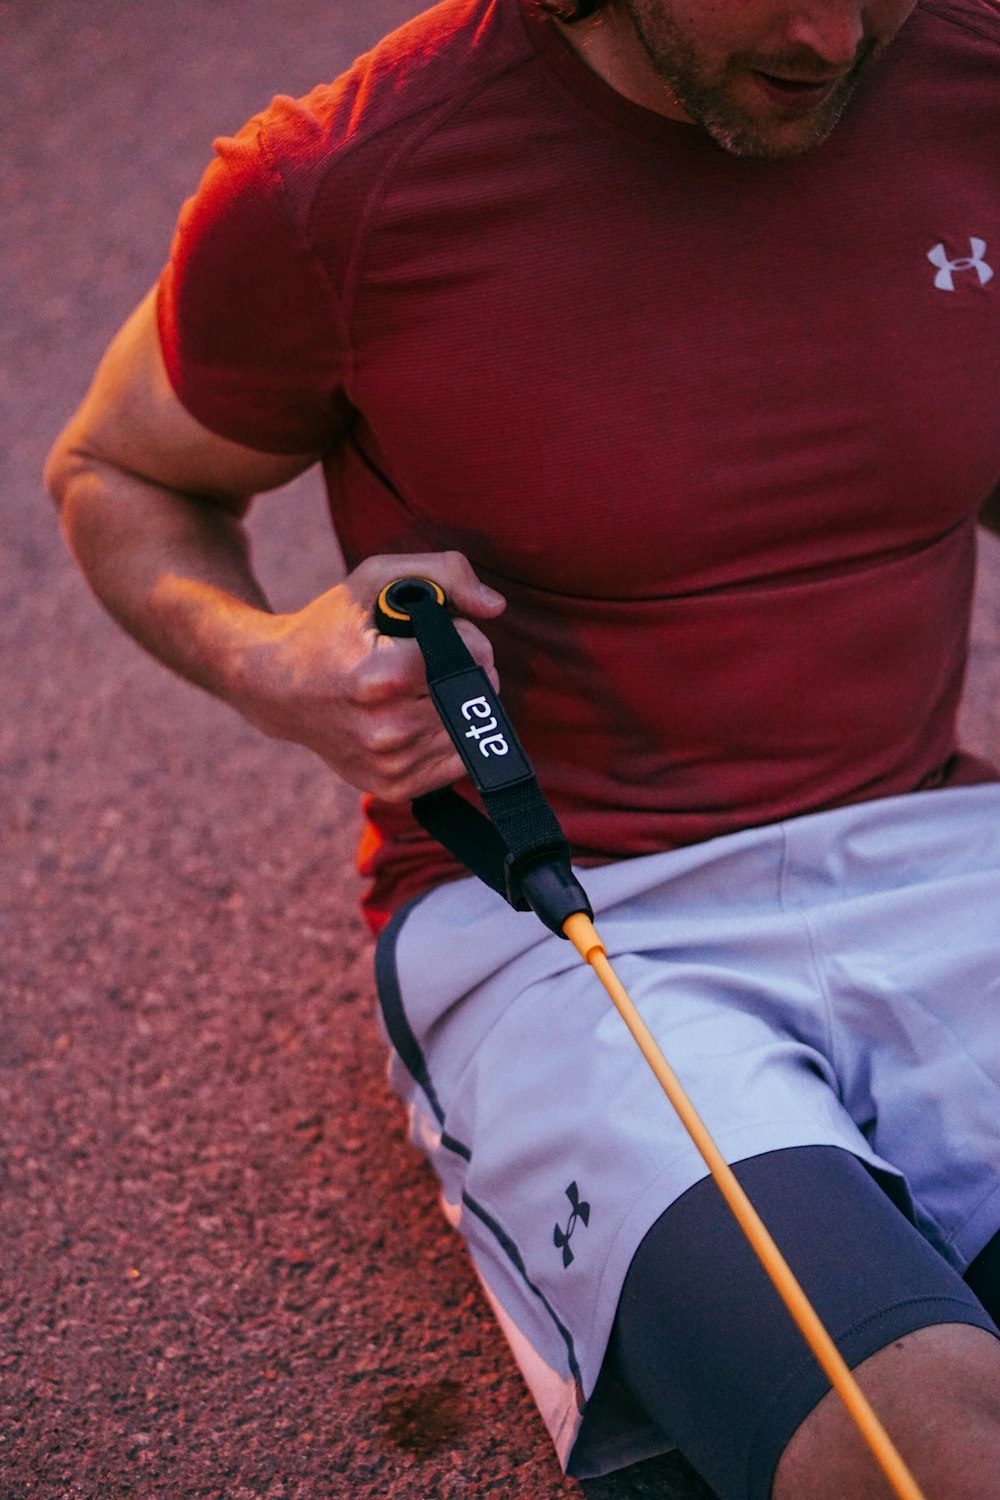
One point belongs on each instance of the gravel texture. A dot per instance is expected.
(222, 1271)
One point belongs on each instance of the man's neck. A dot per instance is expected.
(611, 49)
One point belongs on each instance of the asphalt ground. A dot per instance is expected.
(223, 1272)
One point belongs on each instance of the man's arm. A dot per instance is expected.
(152, 507)
(989, 516)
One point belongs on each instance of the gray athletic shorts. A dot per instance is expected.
(832, 980)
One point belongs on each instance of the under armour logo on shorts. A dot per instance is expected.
(945, 278)
(580, 1215)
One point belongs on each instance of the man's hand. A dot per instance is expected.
(327, 679)
(152, 505)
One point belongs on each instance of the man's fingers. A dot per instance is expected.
(399, 748)
(465, 592)
(392, 671)
(402, 747)
(395, 668)
(403, 730)
(481, 648)
(436, 775)
(397, 767)
(360, 698)
(429, 776)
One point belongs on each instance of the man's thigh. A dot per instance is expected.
(703, 1343)
(555, 1148)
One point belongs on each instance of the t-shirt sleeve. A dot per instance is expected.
(249, 322)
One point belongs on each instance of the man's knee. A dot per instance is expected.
(937, 1392)
(695, 1296)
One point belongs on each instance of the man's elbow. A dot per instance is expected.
(98, 501)
(63, 467)
(77, 492)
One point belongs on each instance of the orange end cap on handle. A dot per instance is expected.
(395, 602)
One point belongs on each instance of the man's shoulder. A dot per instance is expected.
(981, 18)
(431, 64)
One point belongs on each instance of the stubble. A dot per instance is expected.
(711, 99)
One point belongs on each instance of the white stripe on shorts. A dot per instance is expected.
(832, 980)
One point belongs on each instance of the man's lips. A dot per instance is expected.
(795, 94)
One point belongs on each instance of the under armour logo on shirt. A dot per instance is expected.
(580, 1214)
(948, 269)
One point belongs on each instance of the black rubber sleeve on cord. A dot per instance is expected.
(519, 849)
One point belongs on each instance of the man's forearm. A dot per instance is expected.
(152, 504)
(174, 570)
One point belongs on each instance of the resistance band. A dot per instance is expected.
(521, 851)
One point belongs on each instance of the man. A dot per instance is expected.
(665, 335)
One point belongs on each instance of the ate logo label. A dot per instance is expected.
(485, 730)
(480, 730)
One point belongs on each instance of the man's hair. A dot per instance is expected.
(574, 10)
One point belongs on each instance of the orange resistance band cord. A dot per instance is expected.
(583, 935)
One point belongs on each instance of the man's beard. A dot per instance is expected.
(706, 99)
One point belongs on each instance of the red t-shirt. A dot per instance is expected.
(718, 428)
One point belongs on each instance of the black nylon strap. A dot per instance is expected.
(466, 834)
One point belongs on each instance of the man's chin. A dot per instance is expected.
(770, 147)
(748, 125)
(772, 140)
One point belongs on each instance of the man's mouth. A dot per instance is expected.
(795, 94)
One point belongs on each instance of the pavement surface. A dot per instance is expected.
(223, 1272)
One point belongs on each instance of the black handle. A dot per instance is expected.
(463, 694)
(523, 853)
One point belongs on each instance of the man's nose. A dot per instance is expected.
(831, 29)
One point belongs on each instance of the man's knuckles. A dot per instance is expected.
(386, 677)
(394, 745)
